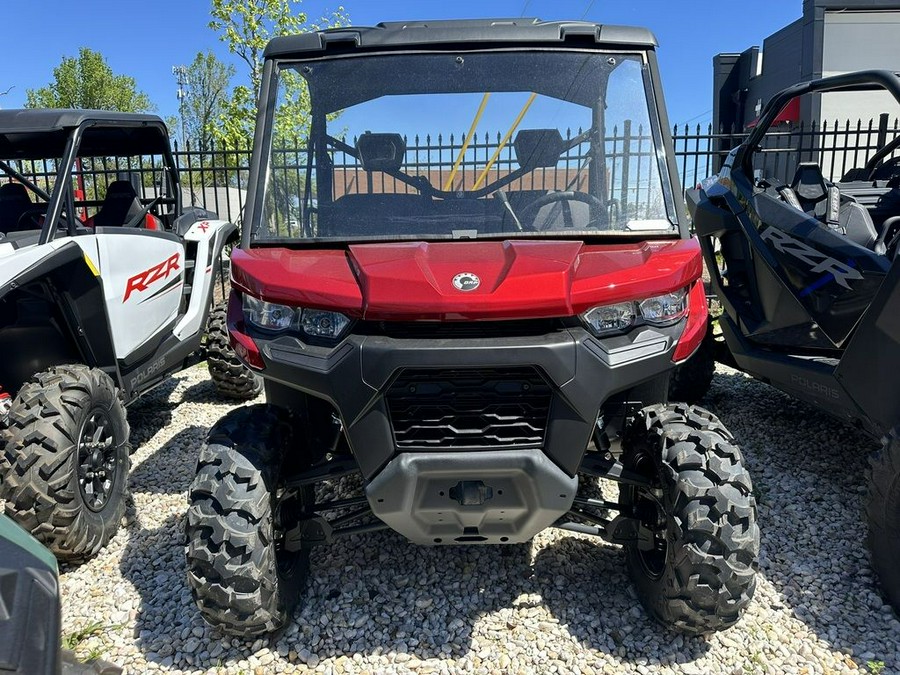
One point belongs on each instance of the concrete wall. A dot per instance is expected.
(860, 41)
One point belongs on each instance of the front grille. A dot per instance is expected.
(469, 407)
(449, 330)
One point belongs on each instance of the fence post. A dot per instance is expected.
(626, 156)
(882, 130)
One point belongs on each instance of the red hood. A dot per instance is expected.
(414, 280)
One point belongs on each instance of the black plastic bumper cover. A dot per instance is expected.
(581, 370)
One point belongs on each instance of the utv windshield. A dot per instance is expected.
(468, 145)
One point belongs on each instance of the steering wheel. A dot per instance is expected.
(563, 196)
(32, 218)
(134, 222)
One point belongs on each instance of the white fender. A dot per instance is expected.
(204, 234)
(12, 266)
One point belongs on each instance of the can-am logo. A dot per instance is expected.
(466, 281)
(819, 262)
(141, 282)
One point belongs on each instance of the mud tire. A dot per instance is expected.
(51, 423)
(705, 575)
(232, 378)
(883, 511)
(241, 579)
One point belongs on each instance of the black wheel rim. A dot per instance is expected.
(649, 506)
(98, 461)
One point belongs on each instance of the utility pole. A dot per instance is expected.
(181, 77)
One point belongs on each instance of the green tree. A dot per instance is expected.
(246, 26)
(205, 96)
(87, 81)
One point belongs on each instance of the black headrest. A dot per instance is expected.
(809, 183)
(538, 147)
(381, 152)
(120, 205)
(14, 192)
(120, 189)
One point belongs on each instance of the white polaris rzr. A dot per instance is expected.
(106, 288)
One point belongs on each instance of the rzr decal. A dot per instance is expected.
(141, 282)
(818, 261)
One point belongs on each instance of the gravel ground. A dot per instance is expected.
(561, 604)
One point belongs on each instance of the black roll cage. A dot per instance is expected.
(62, 195)
(863, 80)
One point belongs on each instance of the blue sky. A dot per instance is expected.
(145, 39)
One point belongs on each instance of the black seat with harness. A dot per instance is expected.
(120, 207)
(822, 200)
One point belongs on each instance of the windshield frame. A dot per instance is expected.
(659, 131)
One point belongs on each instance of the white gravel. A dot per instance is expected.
(563, 604)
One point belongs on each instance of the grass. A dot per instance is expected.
(72, 641)
(75, 638)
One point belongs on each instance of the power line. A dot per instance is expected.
(525, 7)
(590, 4)
(695, 117)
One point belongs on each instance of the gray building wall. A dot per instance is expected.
(832, 36)
(880, 31)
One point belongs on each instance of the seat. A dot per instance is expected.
(858, 225)
(14, 201)
(811, 189)
(823, 200)
(120, 206)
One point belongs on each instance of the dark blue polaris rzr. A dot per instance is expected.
(807, 278)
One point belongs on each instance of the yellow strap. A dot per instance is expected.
(505, 140)
(462, 151)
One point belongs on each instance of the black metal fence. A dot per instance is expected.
(836, 146)
(217, 177)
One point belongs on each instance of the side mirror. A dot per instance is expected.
(381, 152)
(538, 148)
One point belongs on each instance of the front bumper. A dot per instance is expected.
(581, 371)
(530, 484)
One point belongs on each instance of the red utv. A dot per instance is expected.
(477, 339)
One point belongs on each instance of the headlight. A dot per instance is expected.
(268, 315)
(319, 323)
(316, 323)
(659, 310)
(664, 310)
(610, 318)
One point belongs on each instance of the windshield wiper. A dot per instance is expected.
(501, 195)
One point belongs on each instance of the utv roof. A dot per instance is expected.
(43, 133)
(49, 119)
(483, 32)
